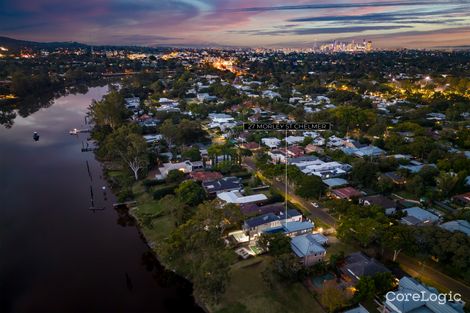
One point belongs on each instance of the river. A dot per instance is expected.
(56, 255)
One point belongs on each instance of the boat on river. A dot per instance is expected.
(36, 136)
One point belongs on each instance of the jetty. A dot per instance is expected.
(77, 131)
(126, 203)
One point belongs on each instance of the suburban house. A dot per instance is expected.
(277, 156)
(457, 225)
(237, 197)
(151, 138)
(293, 151)
(292, 229)
(271, 142)
(185, 167)
(366, 151)
(221, 120)
(415, 166)
(335, 182)
(290, 140)
(205, 176)
(335, 142)
(256, 225)
(307, 249)
(320, 238)
(358, 264)
(132, 103)
(396, 178)
(419, 299)
(312, 165)
(204, 96)
(346, 193)
(167, 105)
(388, 205)
(418, 217)
(223, 184)
(252, 209)
(310, 148)
(250, 146)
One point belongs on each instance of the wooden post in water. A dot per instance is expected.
(88, 169)
(92, 197)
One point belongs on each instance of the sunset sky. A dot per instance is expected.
(254, 23)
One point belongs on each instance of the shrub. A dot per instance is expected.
(161, 192)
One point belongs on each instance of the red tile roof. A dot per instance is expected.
(250, 145)
(205, 176)
(346, 193)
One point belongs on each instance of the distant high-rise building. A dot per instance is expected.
(352, 46)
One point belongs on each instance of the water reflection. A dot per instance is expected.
(55, 254)
(26, 106)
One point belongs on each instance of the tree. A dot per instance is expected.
(383, 282)
(364, 173)
(128, 147)
(174, 176)
(332, 296)
(232, 215)
(366, 288)
(193, 154)
(276, 244)
(191, 193)
(169, 132)
(196, 249)
(310, 187)
(397, 238)
(446, 183)
(287, 267)
(363, 230)
(416, 185)
(110, 111)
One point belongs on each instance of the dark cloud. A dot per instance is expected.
(385, 17)
(322, 6)
(319, 30)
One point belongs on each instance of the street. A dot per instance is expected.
(412, 266)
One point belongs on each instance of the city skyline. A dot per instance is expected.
(260, 23)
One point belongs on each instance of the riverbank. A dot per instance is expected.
(248, 290)
(154, 223)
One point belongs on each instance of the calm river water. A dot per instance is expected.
(55, 254)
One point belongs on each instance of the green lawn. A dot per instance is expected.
(153, 215)
(248, 287)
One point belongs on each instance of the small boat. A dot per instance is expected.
(35, 136)
(74, 132)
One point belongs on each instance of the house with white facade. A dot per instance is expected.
(271, 142)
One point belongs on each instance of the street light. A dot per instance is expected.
(427, 79)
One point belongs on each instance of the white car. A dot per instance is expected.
(315, 205)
